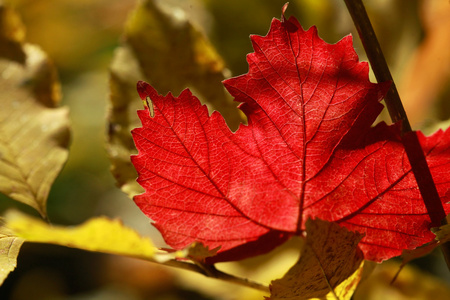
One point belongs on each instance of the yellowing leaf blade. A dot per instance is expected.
(329, 267)
(98, 235)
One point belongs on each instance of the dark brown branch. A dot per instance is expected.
(377, 61)
(397, 112)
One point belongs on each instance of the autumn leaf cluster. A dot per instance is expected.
(304, 161)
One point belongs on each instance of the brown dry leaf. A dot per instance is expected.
(9, 250)
(168, 51)
(34, 133)
(330, 265)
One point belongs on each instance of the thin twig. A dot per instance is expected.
(214, 273)
(394, 105)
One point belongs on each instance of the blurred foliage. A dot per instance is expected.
(410, 284)
(81, 37)
(425, 85)
(12, 35)
(78, 34)
(34, 130)
(165, 49)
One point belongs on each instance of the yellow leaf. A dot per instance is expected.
(9, 250)
(165, 49)
(98, 234)
(34, 134)
(329, 267)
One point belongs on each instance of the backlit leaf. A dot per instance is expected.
(329, 267)
(98, 234)
(308, 151)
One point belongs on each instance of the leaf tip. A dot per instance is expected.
(283, 10)
(144, 89)
(290, 24)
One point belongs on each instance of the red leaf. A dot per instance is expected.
(308, 151)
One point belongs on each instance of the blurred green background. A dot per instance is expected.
(81, 36)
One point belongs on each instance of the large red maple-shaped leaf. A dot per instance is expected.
(308, 151)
